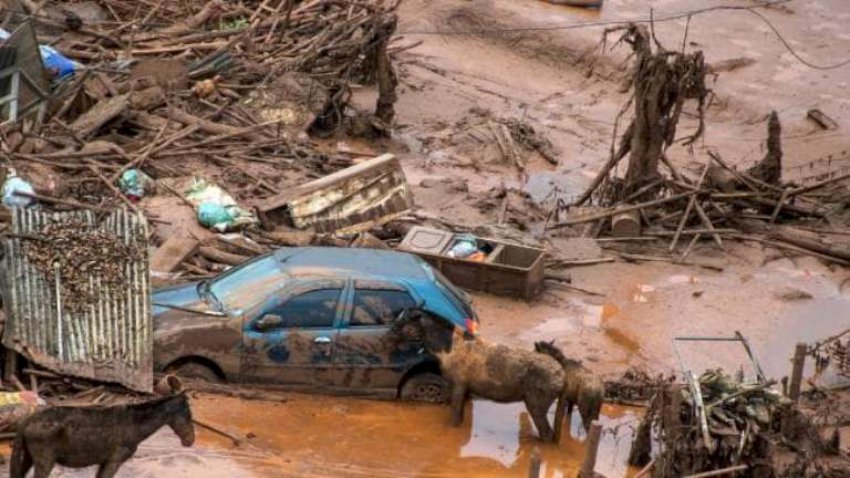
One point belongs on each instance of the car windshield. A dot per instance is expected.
(248, 284)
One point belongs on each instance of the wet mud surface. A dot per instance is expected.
(541, 78)
(308, 436)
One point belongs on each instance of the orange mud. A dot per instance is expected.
(316, 436)
(329, 436)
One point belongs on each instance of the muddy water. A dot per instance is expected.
(325, 437)
(315, 436)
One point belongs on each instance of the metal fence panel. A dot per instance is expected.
(111, 341)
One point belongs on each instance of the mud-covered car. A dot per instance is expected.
(312, 319)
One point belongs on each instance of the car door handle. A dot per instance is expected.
(322, 340)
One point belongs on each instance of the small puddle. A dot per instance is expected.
(545, 186)
(585, 316)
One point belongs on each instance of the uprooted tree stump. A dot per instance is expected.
(663, 80)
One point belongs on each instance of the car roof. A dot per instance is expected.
(337, 261)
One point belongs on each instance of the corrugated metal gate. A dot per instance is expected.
(111, 341)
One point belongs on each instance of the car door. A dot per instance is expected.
(364, 359)
(290, 339)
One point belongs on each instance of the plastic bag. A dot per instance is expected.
(134, 183)
(15, 184)
(56, 63)
(465, 245)
(215, 208)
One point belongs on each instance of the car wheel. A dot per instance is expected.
(194, 370)
(425, 387)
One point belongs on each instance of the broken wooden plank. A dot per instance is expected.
(821, 119)
(103, 112)
(172, 252)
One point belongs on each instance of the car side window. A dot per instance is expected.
(312, 309)
(379, 307)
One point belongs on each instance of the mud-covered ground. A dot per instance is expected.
(451, 86)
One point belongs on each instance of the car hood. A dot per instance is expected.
(184, 295)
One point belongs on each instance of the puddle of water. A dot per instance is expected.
(808, 321)
(329, 437)
(586, 316)
(545, 186)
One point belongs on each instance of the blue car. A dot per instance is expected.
(310, 319)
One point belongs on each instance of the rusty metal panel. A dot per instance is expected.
(112, 341)
(35, 89)
(348, 201)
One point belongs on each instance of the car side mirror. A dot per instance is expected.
(269, 322)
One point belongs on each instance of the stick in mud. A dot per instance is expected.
(591, 450)
(799, 363)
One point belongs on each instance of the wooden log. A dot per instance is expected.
(172, 252)
(211, 126)
(235, 439)
(760, 201)
(798, 364)
(63, 202)
(591, 450)
(818, 185)
(811, 242)
(222, 257)
(821, 119)
(626, 224)
(779, 204)
(791, 247)
(534, 464)
(708, 225)
(611, 212)
(642, 257)
(99, 115)
(672, 416)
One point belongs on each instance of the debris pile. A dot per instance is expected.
(727, 425)
(834, 351)
(174, 88)
(658, 201)
(73, 253)
(634, 386)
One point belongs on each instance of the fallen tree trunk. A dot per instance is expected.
(811, 241)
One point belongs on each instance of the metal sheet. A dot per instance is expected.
(112, 341)
(34, 90)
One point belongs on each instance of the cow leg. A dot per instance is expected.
(458, 401)
(539, 409)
